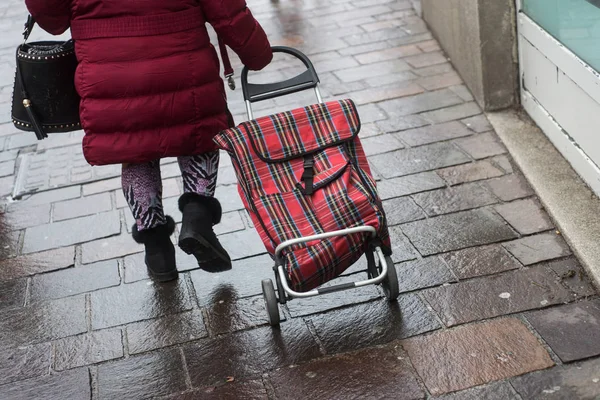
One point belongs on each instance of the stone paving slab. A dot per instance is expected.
(494, 305)
(570, 330)
(472, 355)
(375, 373)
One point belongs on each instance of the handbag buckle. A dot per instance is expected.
(230, 81)
(28, 28)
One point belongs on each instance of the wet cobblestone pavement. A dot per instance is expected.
(494, 305)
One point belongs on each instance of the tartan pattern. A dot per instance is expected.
(285, 135)
(268, 157)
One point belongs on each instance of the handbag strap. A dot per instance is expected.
(26, 33)
(226, 64)
(28, 28)
(33, 119)
(29, 24)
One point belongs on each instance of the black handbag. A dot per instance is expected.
(44, 95)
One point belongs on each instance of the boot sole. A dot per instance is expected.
(205, 253)
(165, 276)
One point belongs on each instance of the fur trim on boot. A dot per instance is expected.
(213, 205)
(159, 231)
(160, 252)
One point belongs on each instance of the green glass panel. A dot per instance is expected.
(575, 23)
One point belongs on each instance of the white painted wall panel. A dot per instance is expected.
(562, 102)
(576, 112)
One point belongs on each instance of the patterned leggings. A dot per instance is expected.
(142, 185)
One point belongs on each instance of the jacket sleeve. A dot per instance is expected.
(238, 29)
(53, 16)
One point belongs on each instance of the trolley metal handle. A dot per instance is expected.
(254, 92)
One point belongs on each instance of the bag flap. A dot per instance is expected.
(325, 177)
(292, 134)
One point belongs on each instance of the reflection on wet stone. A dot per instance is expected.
(478, 261)
(534, 249)
(409, 184)
(12, 293)
(434, 133)
(78, 230)
(228, 314)
(329, 301)
(32, 264)
(475, 354)
(138, 301)
(109, 248)
(91, 348)
(24, 362)
(575, 381)
(373, 323)
(526, 216)
(423, 273)
(418, 159)
(20, 217)
(244, 279)
(495, 391)
(380, 144)
(73, 384)
(135, 268)
(457, 198)
(377, 373)
(251, 390)
(452, 113)
(492, 296)
(250, 353)
(510, 187)
(402, 210)
(401, 247)
(141, 377)
(457, 231)
(9, 243)
(74, 281)
(242, 244)
(571, 331)
(167, 331)
(476, 171)
(401, 123)
(420, 103)
(42, 322)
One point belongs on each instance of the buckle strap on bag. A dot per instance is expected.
(308, 175)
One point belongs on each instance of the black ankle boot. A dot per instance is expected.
(197, 237)
(160, 252)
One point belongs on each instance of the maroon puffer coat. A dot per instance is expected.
(148, 76)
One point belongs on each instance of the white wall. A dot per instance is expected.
(562, 94)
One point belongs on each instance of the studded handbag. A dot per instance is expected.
(44, 96)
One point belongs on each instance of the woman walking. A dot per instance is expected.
(150, 88)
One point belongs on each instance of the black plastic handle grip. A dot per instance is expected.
(254, 92)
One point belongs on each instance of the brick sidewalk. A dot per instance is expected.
(494, 304)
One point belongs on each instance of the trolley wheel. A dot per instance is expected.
(271, 302)
(390, 283)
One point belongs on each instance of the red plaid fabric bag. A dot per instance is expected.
(304, 172)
